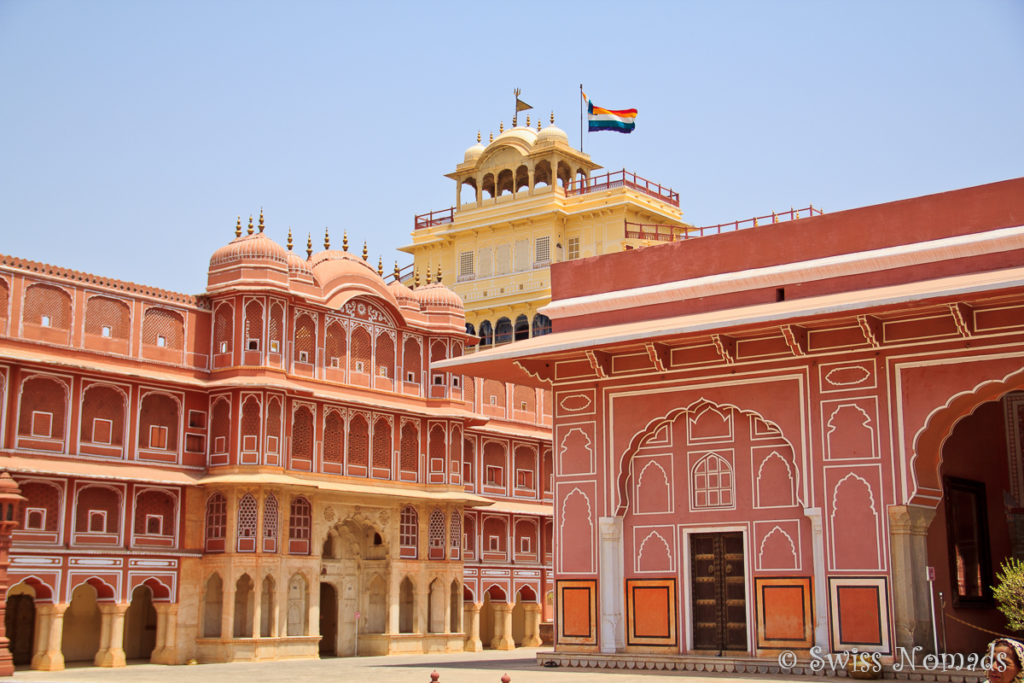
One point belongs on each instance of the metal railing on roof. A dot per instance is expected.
(623, 178)
(673, 233)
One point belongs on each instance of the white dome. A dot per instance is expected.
(552, 133)
(474, 152)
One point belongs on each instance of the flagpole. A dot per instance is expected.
(581, 117)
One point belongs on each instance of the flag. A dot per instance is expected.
(521, 106)
(599, 118)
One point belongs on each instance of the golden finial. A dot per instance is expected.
(290, 243)
(428, 273)
(238, 227)
(398, 275)
(501, 127)
(416, 279)
(492, 136)
(552, 117)
(250, 224)
(261, 219)
(478, 137)
(527, 120)
(327, 239)
(309, 246)
(380, 266)
(538, 125)
(344, 241)
(365, 252)
(438, 272)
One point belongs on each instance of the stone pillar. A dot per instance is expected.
(479, 191)
(612, 637)
(111, 652)
(227, 610)
(420, 609)
(257, 604)
(166, 651)
(820, 592)
(471, 623)
(532, 635)
(908, 541)
(394, 602)
(49, 656)
(502, 626)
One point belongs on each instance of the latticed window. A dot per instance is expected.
(525, 398)
(358, 440)
(300, 523)
(247, 524)
(158, 422)
(411, 358)
(305, 339)
(438, 351)
(408, 531)
(467, 462)
(98, 510)
(154, 514)
(274, 425)
(436, 448)
(270, 524)
(161, 327)
(465, 264)
(102, 415)
(250, 424)
(435, 535)
(573, 249)
(106, 317)
(220, 426)
(47, 306)
(335, 346)
(222, 328)
(494, 393)
(302, 434)
(361, 350)
(43, 408)
(522, 255)
(276, 336)
(41, 512)
(455, 448)
(410, 455)
(502, 259)
(216, 522)
(712, 482)
(486, 265)
(543, 250)
(382, 444)
(455, 534)
(385, 355)
(334, 438)
(470, 544)
(469, 391)
(253, 325)
(4, 296)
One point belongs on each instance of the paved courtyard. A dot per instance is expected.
(469, 667)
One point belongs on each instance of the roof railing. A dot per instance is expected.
(623, 178)
(439, 217)
(674, 233)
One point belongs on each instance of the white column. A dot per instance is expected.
(613, 605)
(820, 590)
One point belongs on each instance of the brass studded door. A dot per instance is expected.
(718, 592)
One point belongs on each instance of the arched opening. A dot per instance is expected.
(486, 333)
(328, 620)
(140, 625)
(213, 602)
(503, 331)
(435, 606)
(504, 182)
(268, 605)
(487, 621)
(377, 612)
(522, 330)
(522, 178)
(470, 329)
(564, 174)
(244, 607)
(542, 174)
(467, 191)
(82, 626)
(541, 325)
(298, 606)
(487, 186)
(519, 616)
(20, 623)
(455, 607)
(406, 604)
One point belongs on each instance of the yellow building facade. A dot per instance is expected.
(524, 201)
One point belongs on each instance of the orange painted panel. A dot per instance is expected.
(859, 620)
(783, 612)
(650, 612)
(576, 612)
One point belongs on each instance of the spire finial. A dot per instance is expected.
(478, 137)
(428, 273)
(501, 127)
(327, 239)
(365, 252)
(380, 266)
(398, 275)
(238, 227)
(552, 117)
(290, 243)
(309, 246)
(492, 136)
(344, 241)
(250, 224)
(538, 124)
(261, 219)
(527, 120)
(438, 273)
(416, 279)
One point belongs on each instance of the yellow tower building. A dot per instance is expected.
(527, 200)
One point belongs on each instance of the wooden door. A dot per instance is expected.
(20, 623)
(718, 592)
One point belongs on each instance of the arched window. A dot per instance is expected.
(47, 306)
(43, 412)
(334, 347)
(155, 517)
(302, 439)
(361, 351)
(247, 524)
(408, 532)
(522, 328)
(270, 524)
(411, 358)
(470, 329)
(106, 317)
(273, 429)
(525, 398)
(216, 523)
(253, 326)
(223, 322)
(251, 430)
(334, 440)
(712, 482)
(486, 333)
(410, 455)
(494, 393)
(455, 535)
(166, 329)
(382, 447)
(468, 456)
(158, 423)
(98, 512)
(220, 430)
(275, 339)
(358, 445)
(305, 339)
(469, 536)
(213, 604)
(103, 411)
(385, 353)
(503, 331)
(300, 524)
(41, 513)
(435, 535)
(298, 606)
(541, 325)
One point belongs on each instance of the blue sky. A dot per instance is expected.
(133, 133)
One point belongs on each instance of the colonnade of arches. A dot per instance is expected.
(508, 181)
(504, 330)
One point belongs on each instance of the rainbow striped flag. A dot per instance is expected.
(619, 120)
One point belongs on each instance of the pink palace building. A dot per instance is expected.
(764, 438)
(271, 469)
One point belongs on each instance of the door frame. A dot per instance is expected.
(686, 595)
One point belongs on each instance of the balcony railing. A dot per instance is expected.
(623, 178)
(439, 217)
(674, 233)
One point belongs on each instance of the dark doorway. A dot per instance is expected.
(20, 622)
(328, 620)
(719, 592)
(140, 625)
